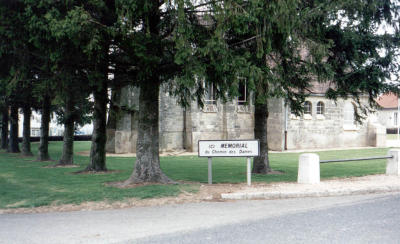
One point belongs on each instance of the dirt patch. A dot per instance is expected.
(122, 155)
(16, 204)
(6, 175)
(44, 161)
(62, 166)
(272, 172)
(92, 172)
(124, 185)
(205, 193)
(130, 155)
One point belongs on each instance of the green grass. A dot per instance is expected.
(25, 182)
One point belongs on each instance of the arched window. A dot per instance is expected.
(348, 114)
(320, 108)
(307, 107)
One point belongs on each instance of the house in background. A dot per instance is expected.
(324, 124)
(388, 112)
(55, 129)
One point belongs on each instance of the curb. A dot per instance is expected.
(328, 193)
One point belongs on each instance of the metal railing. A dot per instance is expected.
(354, 159)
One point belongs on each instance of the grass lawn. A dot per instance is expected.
(25, 182)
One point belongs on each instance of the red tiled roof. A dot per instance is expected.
(388, 100)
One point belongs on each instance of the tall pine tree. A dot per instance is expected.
(341, 42)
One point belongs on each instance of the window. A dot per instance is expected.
(35, 132)
(210, 101)
(320, 108)
(210, 94)
(348, 116)
(242, 99)
(307, 107)
(395, 119)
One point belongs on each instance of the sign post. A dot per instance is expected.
(248, 171)
(229, 148)
(209, 170)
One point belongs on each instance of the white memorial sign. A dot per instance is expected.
(234, 148)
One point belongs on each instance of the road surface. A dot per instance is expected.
(348, 219)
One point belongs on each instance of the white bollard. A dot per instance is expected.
(393, 164)
(308, 169)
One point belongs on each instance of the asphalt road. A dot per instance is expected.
(376, 221)
(348, 219)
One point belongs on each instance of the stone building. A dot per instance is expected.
(388, 111)
(325, 123)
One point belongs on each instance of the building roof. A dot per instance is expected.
(388, 100)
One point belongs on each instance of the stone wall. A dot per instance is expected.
(386, 117)
(327, 131)
(126, 132)
(171, 124)
(376, 135)
(276, 124)
(218, 122)
(181, 129)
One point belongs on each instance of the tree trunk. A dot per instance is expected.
(26, 132)
(4, 128)
(99, 136)
(13, 146)
(43, 154)
(67, 156)
(147, 167)
(261, 163)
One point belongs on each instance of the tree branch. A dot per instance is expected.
(246, 40)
